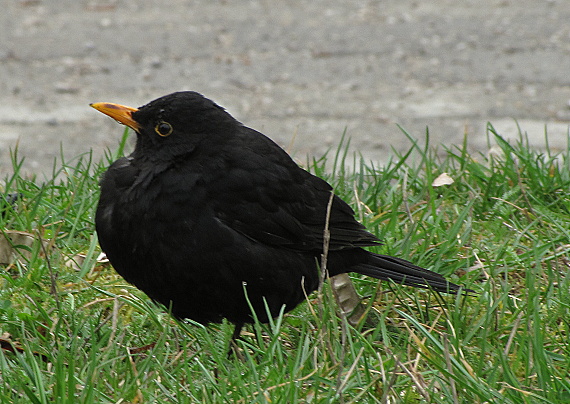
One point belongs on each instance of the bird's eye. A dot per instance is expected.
(163, 128)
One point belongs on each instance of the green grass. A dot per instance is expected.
(82, 335)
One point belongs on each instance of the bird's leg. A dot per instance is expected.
(235, 336)
(237, 331)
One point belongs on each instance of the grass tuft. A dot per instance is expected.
(73, 331)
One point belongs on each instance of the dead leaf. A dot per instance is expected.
(9, 345)
(15, 245)
(347, 298)
(76, 262)
(442, 179)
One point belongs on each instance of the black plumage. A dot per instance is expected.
(205, 205)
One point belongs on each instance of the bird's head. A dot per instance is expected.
(173, 125)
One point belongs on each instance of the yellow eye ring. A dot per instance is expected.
(163, 129)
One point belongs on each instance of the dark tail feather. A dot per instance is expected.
(386, 268)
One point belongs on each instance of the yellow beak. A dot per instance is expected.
(120, 113)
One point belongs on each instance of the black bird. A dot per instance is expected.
(205, 207)
(8, 202)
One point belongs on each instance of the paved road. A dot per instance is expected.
(297, 68)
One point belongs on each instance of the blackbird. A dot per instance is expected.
(8, 202)
(206, 211)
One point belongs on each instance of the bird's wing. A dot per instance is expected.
(276, 202)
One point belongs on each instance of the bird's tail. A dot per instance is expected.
(398, 270)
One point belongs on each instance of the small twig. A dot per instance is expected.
(296, 381)
(449, 368)
(311, 309)
(52, 275)
(341, 386)
(388, 386)
(405, 196)
(343, 337)
(138, 394)
(512, 334)
(421, 386)
(524, 194)
(359, 203)
(111, 316)
(292, 140)
(326, 243)
(324, 275)
(116, 306)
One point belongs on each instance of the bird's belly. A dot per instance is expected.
(203, 271)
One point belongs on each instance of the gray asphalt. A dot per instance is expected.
(296, 69)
